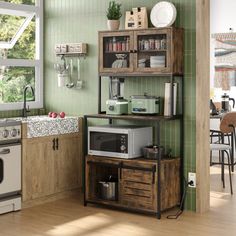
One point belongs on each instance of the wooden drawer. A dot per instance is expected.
(139, 203)
(137, 195)
(136, 189)
(138, 175)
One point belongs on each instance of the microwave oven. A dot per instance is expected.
(118, 141)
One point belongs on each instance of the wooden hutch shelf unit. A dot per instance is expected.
(141, 52)
(149, 186)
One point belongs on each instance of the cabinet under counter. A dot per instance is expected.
(51, 165)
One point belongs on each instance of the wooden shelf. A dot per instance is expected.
(138, 74)
(147, 185)
(154, 50)
(116, 52)
(135, 117)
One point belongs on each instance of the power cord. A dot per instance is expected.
(180, 211)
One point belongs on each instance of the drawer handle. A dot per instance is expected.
(54, 144)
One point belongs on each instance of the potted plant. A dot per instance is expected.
(113, 15)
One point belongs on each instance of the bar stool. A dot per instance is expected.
(215, 133)
(227, 125)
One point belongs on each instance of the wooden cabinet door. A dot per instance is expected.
(153, 51)
(115, 52)
(37, 168)
(68, 164)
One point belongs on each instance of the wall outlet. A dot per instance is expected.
(192, 180)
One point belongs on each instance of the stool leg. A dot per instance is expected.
(222, 169)
(230, 178)
(232, 153)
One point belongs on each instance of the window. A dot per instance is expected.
(21, 57)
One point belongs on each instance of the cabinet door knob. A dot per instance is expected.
(54, 144)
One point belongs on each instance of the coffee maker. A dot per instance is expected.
(225, 99)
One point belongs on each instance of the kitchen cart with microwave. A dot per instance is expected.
(149, 186)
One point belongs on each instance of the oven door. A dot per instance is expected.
(10, 169)
(105, 143)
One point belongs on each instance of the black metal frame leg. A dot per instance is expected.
(232, 152)
(84, 159)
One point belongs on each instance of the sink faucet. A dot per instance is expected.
(26, 110)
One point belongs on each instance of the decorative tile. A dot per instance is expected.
(46, 126)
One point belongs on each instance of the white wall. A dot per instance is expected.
(222, 18)
(223, 15)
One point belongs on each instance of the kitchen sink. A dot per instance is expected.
(40, 126)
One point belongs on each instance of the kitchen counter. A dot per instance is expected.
(41, 126)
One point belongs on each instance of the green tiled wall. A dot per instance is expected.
(79, 21)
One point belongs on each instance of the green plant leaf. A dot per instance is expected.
(114, 11)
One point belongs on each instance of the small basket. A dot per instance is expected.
(151, 152)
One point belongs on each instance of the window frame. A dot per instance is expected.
(37, 10)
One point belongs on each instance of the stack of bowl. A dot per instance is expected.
(142, 63)
(157, 61)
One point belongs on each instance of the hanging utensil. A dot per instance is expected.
(70, 84)
(79, 82)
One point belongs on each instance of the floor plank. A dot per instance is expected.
(68, 217)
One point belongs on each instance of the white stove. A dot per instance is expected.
(10, 165)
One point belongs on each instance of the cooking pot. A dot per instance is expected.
(108, 189)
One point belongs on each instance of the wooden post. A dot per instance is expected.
(202, 104)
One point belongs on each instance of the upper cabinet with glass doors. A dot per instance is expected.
(141, 52)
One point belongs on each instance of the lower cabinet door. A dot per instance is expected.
(68, 166)
(51, 165)
(37, 168)
(137, 189)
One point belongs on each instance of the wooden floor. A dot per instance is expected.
(68, 217)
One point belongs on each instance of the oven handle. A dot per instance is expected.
(5, 151)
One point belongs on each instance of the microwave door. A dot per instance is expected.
(105, 142)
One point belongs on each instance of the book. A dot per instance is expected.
(167, 99)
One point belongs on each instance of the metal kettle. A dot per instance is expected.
(225, 99)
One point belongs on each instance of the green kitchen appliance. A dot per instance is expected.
(117, 106)
(145, 104)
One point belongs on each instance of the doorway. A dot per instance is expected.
(203, 49)
(222, 87)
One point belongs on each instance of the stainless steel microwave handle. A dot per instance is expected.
(5, 151)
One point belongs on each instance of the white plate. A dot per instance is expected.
(163, 14)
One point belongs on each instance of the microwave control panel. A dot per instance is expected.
(123, 144)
